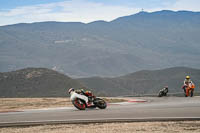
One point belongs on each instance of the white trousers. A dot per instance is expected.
(75, 95)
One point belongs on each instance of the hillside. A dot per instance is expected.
(143, 41)
(42, 82)
(144, 82)
(35, 82)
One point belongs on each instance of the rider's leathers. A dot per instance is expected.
(74, 95)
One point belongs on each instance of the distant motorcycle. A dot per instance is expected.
(163, 92)
(82, 100)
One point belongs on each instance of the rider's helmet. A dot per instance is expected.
(187, 77)
(70, 90)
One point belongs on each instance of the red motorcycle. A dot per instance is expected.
(189, 90)
(82, 100)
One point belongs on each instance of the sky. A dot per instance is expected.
(28, 11)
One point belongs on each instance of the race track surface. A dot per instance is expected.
(164, 108)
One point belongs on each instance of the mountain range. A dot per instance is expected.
(142, 41)
(42, 82)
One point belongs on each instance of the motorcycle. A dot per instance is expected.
(163, 92)
(82, 100)
(189, 90)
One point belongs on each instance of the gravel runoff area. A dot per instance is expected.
(134, 127)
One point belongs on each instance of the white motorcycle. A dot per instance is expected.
(82, 100)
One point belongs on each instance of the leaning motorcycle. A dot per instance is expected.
(86, 100)
(163, 92)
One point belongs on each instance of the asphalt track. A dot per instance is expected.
(154, 109)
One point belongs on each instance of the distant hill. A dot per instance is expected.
(143, 41)
(35, 82)
(42, 82)
(144, 82)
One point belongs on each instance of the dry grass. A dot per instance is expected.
(17, 104)
(139, 127)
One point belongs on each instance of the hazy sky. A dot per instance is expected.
(27, 11)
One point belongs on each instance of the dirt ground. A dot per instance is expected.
(17, 104)
(135, 127)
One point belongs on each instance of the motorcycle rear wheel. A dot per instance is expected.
(79, 104)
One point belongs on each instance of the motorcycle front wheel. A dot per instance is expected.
(160, 94)
(100, 103)
(79, 104)
(191, 93)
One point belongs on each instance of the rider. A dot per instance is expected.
(165, 89)
(82, 91)
(187, 83)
